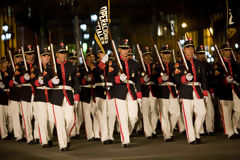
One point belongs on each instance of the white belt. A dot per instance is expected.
(44, 87)
(63, 87)
(28, 85)
(193, 83)
(6, 90)
(88, 86)
(167, 84)
(149, 83)
(129, 82)
(103, 84)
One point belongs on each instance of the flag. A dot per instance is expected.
(231, 26)
(101, 35)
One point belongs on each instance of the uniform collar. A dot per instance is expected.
(124, 59)
(60, 62)
(226, 59)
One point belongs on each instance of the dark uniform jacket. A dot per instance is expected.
(198, 71)
(223, 90)
(66, 73)
(15, 90)
(6, 77)
(120, 89)
(146, 88)
(164, 91)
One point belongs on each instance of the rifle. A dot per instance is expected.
(11, 60)
(174, 56)
(24, 59)
(52, 55)
(234, 56)
(38, 54)
(183, 57)
(141, 58)
(83, 58)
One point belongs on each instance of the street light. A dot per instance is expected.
(184, 25)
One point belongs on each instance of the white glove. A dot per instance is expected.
(55, 80)
(229, 79)
(205, 98)
(139, 100)
(123, 77)
(2, 85)
(26, 76)
(105, 58)
(102, 77)
(75, 104)
(146, 78)
(88, 78)
(189, 77)
(165, 77)
(40, 80)
(14, 82)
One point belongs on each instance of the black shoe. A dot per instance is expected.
(211, 134)
(149, 137)
(126, 145)
(106, 142)
(232, 137)
(64, 149)
(31, 142)
(37, 141)
(22, 140)
(45, 146)
(7, 138)
(236, 135)
(169, 140)
(50, 143)
(68, 145)
(154, 135)
(199, 141)
(110, 141)
(91, 139)
(193, 142)
(97, 139)
(77, 136)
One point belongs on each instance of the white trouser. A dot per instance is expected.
(181, 125)
(169, 113)
(91, 125)
(190, 106)
(209, 118)
(27, 113)
(64, 117)
(45, 120)
(127, 112)
(236, 114)
(36, 127)
(79, 117)
(226, 109)
(150, 114)
(14, 111)
(3, 121)
(101, 105)
(111, 115)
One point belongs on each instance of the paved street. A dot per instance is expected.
(217, 147)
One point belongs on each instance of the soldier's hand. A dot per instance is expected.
(26, 76)
(123, 77)
(229, 79)
(88, 78)
(139, 100)
(55, 80)
(146, 78)
(2, 85)
(75, 104)
(165, 77)
(189, 77)
(40, 80)
(105, 58)
(15, 82)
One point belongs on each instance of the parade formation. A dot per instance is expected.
(43, 90)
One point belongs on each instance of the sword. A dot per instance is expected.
(183, 57)
(24, 59)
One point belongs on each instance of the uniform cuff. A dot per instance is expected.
(36, 83)
(11, 83)
(22, 80)
(183, 79)
(83, 81)
(205, 93)
(101, 65)
(160, 80)
(141, 80)
(76, 97)
(50, 84)
(139, 94)
(117, 80)
(211, 90)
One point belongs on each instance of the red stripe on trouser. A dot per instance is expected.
(223, 119)
(161, 118)
(24, 121)
(194, 88)
(39, 134)
(119, 120)
(170, 89)
(185, 120)
(73, 123)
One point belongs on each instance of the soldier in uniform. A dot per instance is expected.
(169, 108)
(228, 93)
(126, 93)
(5, 77)
(14, 97)
(41, 100)
(209, 119)
(64, 96)
(148, 82)
(72, 57)
(88, 98)
(192, 90)
(27, 91)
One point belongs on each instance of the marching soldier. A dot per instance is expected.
(148, 82)
(228, 93)
(41, 100)
(88, 98)
(169, 107)
(192, 90)
(209, 119)
(14, 97)
(64, 96)
(126, 93)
